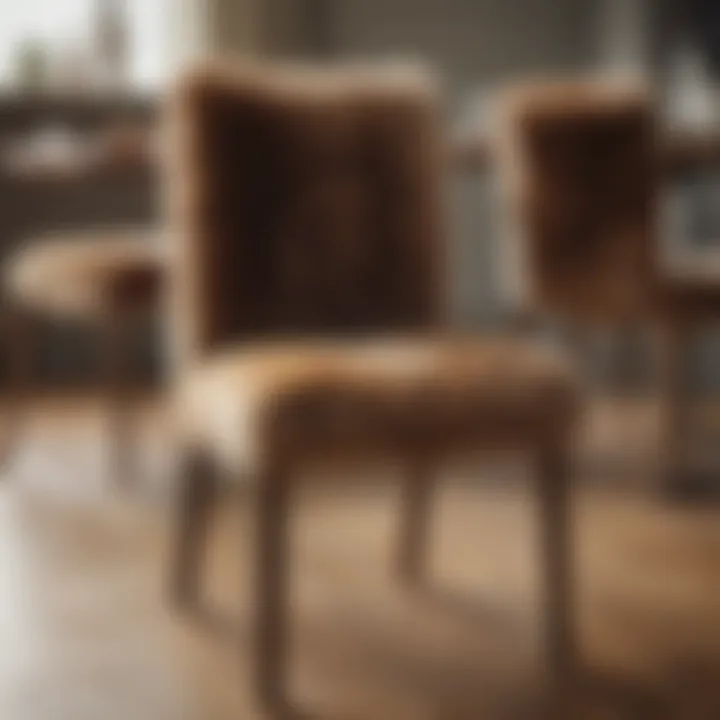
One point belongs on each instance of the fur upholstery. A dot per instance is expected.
(330, 400)
(307, 202)
(580, 174)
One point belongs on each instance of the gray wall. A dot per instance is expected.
(472, 42)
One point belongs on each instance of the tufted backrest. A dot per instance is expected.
(304, 202)
(578, 163)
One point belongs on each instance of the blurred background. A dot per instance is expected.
(83, 79)
(83, 629)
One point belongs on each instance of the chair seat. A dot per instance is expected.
(82, 274)
(318, 401)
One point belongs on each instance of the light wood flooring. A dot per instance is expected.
(86, 633)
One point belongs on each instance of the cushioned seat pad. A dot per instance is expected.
(79, 273)
(321, 399)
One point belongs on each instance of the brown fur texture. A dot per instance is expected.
(579, 164)
(305, 202)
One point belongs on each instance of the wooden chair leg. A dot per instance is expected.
(557, 552)
(117, 378)
(198, 491)
(20, 356)
(674, 402)
(272, 561)
(415, 521)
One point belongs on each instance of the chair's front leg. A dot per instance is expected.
(198, 490)
(272, 585)
(417, 492)
(557, 547)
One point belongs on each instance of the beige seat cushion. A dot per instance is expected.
(318, 401)
(82, 273)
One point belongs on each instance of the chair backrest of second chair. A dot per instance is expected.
(579, 167)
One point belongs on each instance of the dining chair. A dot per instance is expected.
(102, 278)
(581, 171)
(307, 291)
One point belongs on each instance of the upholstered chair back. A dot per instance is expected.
(304, 202)
(578, 168)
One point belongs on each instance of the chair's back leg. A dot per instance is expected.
(557, 546)
(417, 494)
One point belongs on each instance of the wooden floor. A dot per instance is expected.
(85, 633)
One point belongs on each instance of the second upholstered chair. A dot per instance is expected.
(307, 274)
(581, 169)
(578, 165)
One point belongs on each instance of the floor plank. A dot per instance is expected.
(85, 633)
